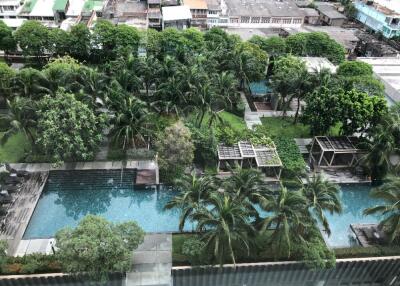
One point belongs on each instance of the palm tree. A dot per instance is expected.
(31, 83)
(132, 123)
(20, 118)
(226, 87)
(226, 227)
(389, 192)
(169, 97)
(93, 83)
(289, 219)
(321, 196)
(194, 194)
(383, 145)
(247, 184)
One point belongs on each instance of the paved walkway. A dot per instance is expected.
(107, 165)
(152, 262)
(21, 210)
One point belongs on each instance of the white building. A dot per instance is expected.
(176, 17)
(388, 71)
(260, 14)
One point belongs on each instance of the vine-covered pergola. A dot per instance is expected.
(334, 152)
(245, 154)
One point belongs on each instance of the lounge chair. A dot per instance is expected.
(5, 199)
(13, 180)
(11, 188)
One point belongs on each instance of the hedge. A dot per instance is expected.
(371, 251)
(31, 264)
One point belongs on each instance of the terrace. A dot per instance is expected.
(246, 154)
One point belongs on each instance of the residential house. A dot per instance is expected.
(381, 16)
(154, 14)
(178, 17)
(199, 11)
(329, 15)
(311, 16)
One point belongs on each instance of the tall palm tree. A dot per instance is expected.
(20, 118)
(132, 123)
(93, 83)
(226, 227)
(31, 83)
(289, 218)
(247, 184)
(389, 192)
(169, 97)
(226, 87)
(194, 194)
(321, 196)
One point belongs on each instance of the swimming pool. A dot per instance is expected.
(355, 198)
(70, 195)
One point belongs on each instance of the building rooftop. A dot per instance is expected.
(347, 37)
(60, 5)
(388, 71)
(213, 4)
(245, 34)
(330, 11)
(196, 4)
(316, 64)
(310, 12)
(75, 8)
(387, 7)
(265, 8)
(174, 13)
(43, 8)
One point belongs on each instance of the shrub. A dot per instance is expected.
(358, 251)
(205, 144)
(194, 249)
(292, 160)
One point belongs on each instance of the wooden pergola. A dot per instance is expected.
(246, 154)
(334, 152)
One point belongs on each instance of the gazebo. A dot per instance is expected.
(245, 154)
(334, 152)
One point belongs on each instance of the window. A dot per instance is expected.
(265, 19)
(244, 19)
(297, 21)
(255, 20)
(234, 20)
(276, 20)
(286, 21)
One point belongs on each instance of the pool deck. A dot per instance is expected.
(21, 210)
(147, 169)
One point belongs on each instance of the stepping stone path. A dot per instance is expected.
(152, 262)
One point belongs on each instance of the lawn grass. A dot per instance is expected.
(235, 121)
(284, 127)
(14, 149)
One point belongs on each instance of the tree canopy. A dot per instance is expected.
(98, 247)
(67, 128)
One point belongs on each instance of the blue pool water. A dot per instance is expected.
(70, 195)
(355, 198)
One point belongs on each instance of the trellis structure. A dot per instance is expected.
(246, 154)
(334, 152)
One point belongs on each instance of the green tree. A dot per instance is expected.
(98, 247)
(250, 63)
(127, 39)
(20, 118)
(290, 219)
(354, 68)
(67, 129)
(322, 196)
(104, 41)
(389, 192)
(194, 194)
(33, 39)
(297, 44)
(289, 80)
(30, 83)
(226, 87)
(59, 41)
(79, 42)
(274, 46)
(226, 228)
(359, 111)
(7, 41)
(7, 76)
(3, 253)
(176, 150)
(133, 123)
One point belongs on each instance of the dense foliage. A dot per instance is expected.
(98, 247)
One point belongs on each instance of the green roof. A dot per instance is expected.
(28, 6)
(91, 5)
(59, 5)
